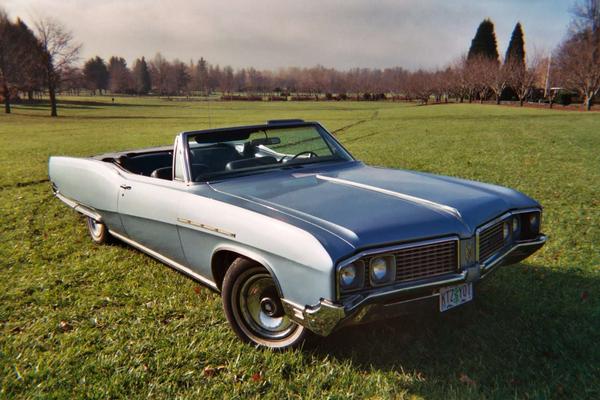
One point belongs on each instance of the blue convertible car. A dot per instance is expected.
(296, 234)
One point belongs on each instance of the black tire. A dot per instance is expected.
(98, 231)
(247, 286)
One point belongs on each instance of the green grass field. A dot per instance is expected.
(78, 320)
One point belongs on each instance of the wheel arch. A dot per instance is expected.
(224, 256)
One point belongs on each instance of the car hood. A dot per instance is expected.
(368, 206)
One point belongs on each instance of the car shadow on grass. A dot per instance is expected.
(532, 330)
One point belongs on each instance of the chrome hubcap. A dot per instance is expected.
(261, 308)
(95, 227)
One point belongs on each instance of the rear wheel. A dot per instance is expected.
(254, 309)
(98, 231)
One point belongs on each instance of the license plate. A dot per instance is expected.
(453, 296)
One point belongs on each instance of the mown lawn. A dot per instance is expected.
(78, 320)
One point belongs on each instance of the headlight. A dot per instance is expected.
(379, 269)
(515, 224)
(530, 225)
(505, 230)
(351, 276)
(348, 275)
(382, 270)
(534, 221)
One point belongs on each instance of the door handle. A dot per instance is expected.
(126, 187)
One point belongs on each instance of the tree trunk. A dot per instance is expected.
(52, 93)
(521, 100)
(498, 99)
(6, 99)
(30, 95)
(587, 102)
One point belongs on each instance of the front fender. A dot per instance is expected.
(298, 261)
(296, 282)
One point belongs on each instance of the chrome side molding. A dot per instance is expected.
(88, 212)
(165, 260)
(206, 227)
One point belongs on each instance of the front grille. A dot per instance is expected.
(426, 261)
(416, 262)
(422, 261)
(491, 240)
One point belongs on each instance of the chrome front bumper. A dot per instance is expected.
(327, 316)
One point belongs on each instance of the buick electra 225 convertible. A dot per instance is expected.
(296, 234)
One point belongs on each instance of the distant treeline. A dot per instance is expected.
(43, 63)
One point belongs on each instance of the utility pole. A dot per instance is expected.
(547, 87)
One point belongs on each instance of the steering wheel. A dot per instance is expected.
(311, 153)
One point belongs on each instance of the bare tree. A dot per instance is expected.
(159, 71)
(420, 86)
(586, 16)
(58, 52)
(72, 80)
(499, 81)
(522, 79)
(460, 81)
(577, 60)
(576, 67)
(227, 80)
(491, 77)
(473, 79)
(481, 73)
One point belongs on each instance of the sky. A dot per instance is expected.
(268, 34)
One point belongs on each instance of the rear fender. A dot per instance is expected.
(92, 185)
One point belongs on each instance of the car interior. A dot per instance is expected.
(214, 154)
(147, 164)
(218, 157)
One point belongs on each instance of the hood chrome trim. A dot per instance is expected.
(413, 199)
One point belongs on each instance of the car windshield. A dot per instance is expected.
(213, 155)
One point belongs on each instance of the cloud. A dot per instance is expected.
(271, 34)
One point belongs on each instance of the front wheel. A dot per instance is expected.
(98, 231)
(254, 310)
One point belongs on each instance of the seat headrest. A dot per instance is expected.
(163, 173)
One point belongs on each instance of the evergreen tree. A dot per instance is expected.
(20, 60)
(119, 75)
(515, 54)
(95, 73)
(484, 43)
(201, 76)
(181, 76)
(31, 70)
(8, 52)
(141, 74)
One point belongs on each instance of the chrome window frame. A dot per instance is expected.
(390, 250)
(494, 222)
(328, 138)
(181, 142)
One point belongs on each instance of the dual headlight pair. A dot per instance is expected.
(381, 270)
(521, 226)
